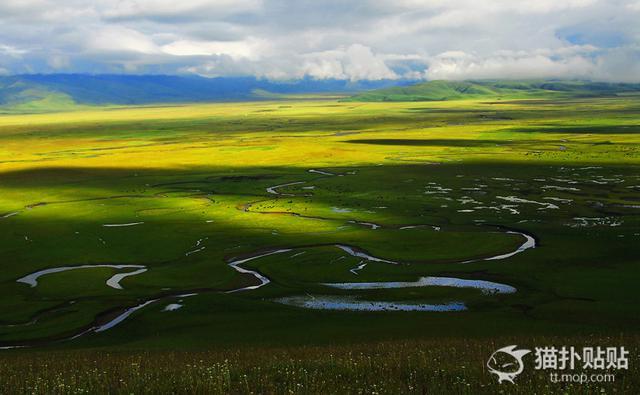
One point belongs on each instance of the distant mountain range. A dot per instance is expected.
(457, 90)
(56, 92)
(35, 93)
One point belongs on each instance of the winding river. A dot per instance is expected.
(332, 302)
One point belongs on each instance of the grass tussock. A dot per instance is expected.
(454, 366)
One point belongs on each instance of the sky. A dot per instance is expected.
(333, 39)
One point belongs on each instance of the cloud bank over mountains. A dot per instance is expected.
(352, 40)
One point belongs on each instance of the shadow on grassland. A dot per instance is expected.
(568, 258)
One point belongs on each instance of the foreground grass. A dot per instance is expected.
(443, 366)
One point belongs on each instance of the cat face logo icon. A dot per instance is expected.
(506, 363)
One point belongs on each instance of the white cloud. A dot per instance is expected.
(250, 48)
(509, 66)
(356, 62)
(8, 50)
(586, 62)
(172, 9)
(358, 39)
(620, 64)
(121, 39)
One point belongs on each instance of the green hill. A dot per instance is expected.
(459, 90)
(57, 92)
(60, 92)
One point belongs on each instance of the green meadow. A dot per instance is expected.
(221, 243)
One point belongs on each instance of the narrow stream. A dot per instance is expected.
(113, 281)
(273, 190)
(530, 242)
(235, 264)
(122, 225)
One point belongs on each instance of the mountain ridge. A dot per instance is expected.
(51, 92)
(441, 90)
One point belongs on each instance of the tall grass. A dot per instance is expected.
(451, 366)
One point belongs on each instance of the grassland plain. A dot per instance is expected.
(303, 195)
